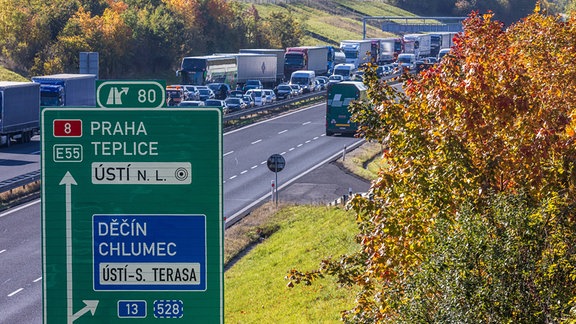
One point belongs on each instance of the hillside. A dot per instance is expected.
(329, 22)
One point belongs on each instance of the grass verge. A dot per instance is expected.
(255, 288)
(364, 161)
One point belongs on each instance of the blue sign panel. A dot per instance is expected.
(149, 252)
(132, 309)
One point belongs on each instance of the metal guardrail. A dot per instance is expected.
(279, 104)
(19, 181)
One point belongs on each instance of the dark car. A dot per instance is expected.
(205, 94)
(236, 93)
(221, 90)
(252, 84)
(283, 91)
(235, 104)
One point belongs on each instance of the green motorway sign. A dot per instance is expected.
(130, 94)
(132, 224)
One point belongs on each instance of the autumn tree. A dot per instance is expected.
(472, 218)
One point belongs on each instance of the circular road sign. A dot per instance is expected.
(276, 163)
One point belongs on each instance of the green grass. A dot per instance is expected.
(335, 27)
(255, 288)
(7, 75)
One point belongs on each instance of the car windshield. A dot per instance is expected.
(204, 91)
(234, 101)
(213, 103)
(284, 88)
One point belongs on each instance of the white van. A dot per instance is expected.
(305, 79)
(346, 70)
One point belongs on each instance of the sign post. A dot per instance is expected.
(132, 224)
(276, 163)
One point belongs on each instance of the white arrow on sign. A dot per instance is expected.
(68, 181)
(90, 307)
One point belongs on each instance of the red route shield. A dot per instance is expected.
(67, 128)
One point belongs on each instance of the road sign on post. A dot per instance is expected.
(132, 223)
(130, 94)
(276, 163)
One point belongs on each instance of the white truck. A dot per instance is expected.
(72, 90)
(279, 59)
(261, 67)
(19, 111)
(418, 44)
(357, 52)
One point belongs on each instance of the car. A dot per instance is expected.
(214, 103)
(221, 90)
(270, 95)
(443, 52)
(191, 103)
(234, 104)
(252, 84)
(190, 92)
(335, 78)
(323, 82)
(318, 86)
(258, 95)
(249, 101)
(217, 103)
(283, 91)
(205, 94)
(296, 89)
(236, 93)
(384, 70)
(174, 95)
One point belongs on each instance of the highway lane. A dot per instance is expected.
(299, 137)
(19, 159)
(20, 265)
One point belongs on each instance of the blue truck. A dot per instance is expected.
(73, 90)
(19, 111)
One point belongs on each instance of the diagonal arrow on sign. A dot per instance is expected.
(68, 180)
(90, 307)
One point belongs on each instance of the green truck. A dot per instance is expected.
(339, 97)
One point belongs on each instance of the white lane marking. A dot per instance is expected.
(306, 123)
(256, 142)
(291, 149)
(299, 145)
(19, 208)
(243, 172)
(289, 182)
(263, 162)
(3, 251)
(228, 153)
(315, 138)
(254, 167)
(308, 141)
(283, 153)
(15, 292)
(232, 177)
(282, 132)
(38, 279)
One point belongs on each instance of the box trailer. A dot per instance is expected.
(19, 111)
(73, 90)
